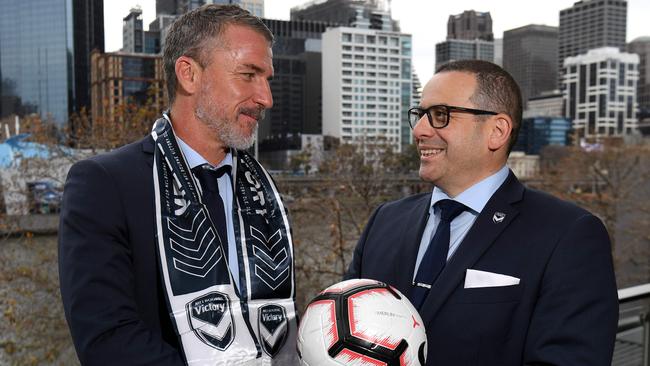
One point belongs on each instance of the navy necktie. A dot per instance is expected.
(435, 257)
(208, 177)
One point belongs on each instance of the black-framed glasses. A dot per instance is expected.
(438, 115)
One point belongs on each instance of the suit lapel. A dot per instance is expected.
(411, 242)
(484, 232)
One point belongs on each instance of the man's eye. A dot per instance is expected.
(438, 113)
(248, 75)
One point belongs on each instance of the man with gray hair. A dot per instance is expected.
(177, 249)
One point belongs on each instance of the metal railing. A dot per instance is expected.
(634, 315)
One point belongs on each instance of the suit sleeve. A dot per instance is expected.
(354, 270)
(97, 276)
(576, 315)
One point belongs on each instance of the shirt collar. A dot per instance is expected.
(476, 196)
(195, 159)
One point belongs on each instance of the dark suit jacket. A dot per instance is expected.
(564, 310)
(110, 283)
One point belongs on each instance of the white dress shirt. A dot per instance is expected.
(475, 198)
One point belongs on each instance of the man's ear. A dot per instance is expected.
(188, 73)
(500, 131)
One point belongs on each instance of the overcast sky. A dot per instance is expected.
(425, 20)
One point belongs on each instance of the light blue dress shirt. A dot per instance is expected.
(194, 159)
(475, 198)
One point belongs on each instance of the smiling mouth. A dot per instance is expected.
(254, 113)
(253, 117)
(429, 152)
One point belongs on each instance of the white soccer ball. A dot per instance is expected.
(361, 322)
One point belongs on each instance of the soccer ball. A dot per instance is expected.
(361, 322)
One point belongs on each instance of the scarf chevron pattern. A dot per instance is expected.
(220, 320)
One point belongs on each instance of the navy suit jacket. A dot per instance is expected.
(110, 284)
(564, 310)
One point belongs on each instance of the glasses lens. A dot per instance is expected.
(414, 116)
(438, 116)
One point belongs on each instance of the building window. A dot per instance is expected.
(583, 83)
(602, 105)
(621, 74)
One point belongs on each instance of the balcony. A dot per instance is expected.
(633, 338)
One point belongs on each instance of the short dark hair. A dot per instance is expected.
(496, 90)
(191, 34)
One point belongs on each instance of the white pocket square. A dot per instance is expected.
(476, 279)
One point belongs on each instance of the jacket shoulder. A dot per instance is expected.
(122, 157)
(406, 202)
(552, 206)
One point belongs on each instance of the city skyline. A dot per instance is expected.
(427, 23)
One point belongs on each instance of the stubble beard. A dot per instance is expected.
(212, 114)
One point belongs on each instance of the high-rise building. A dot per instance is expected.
(369, 85)
(40, 43)
(590, 24)
(167, 7)
(152, 42)
(256, 7)
(498, 51)
(133, 32)
(161, 22)
(537, 132)
(469, 37)
(367, 14)
(168, 10)
(641, 46)
(600, 91)
(88, 36)
(416, 96)
(178, 7)
(118, 78)
(186, 5)
(470, 25)
(547, 104)
(135, 39)
(530, 56)
(462, 49)
(296, 88)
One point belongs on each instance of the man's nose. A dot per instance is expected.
(263, 95)
(423, 128)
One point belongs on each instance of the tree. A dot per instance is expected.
(611, 182)
(34, 331)
(328, 219)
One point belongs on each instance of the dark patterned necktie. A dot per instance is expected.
(208, 177)
(435, 257)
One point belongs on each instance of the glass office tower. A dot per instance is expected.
(36, 57)
(43, 67)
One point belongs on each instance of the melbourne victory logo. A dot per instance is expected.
(211, 319)
(273, 328)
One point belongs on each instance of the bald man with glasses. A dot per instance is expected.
(501, 274)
